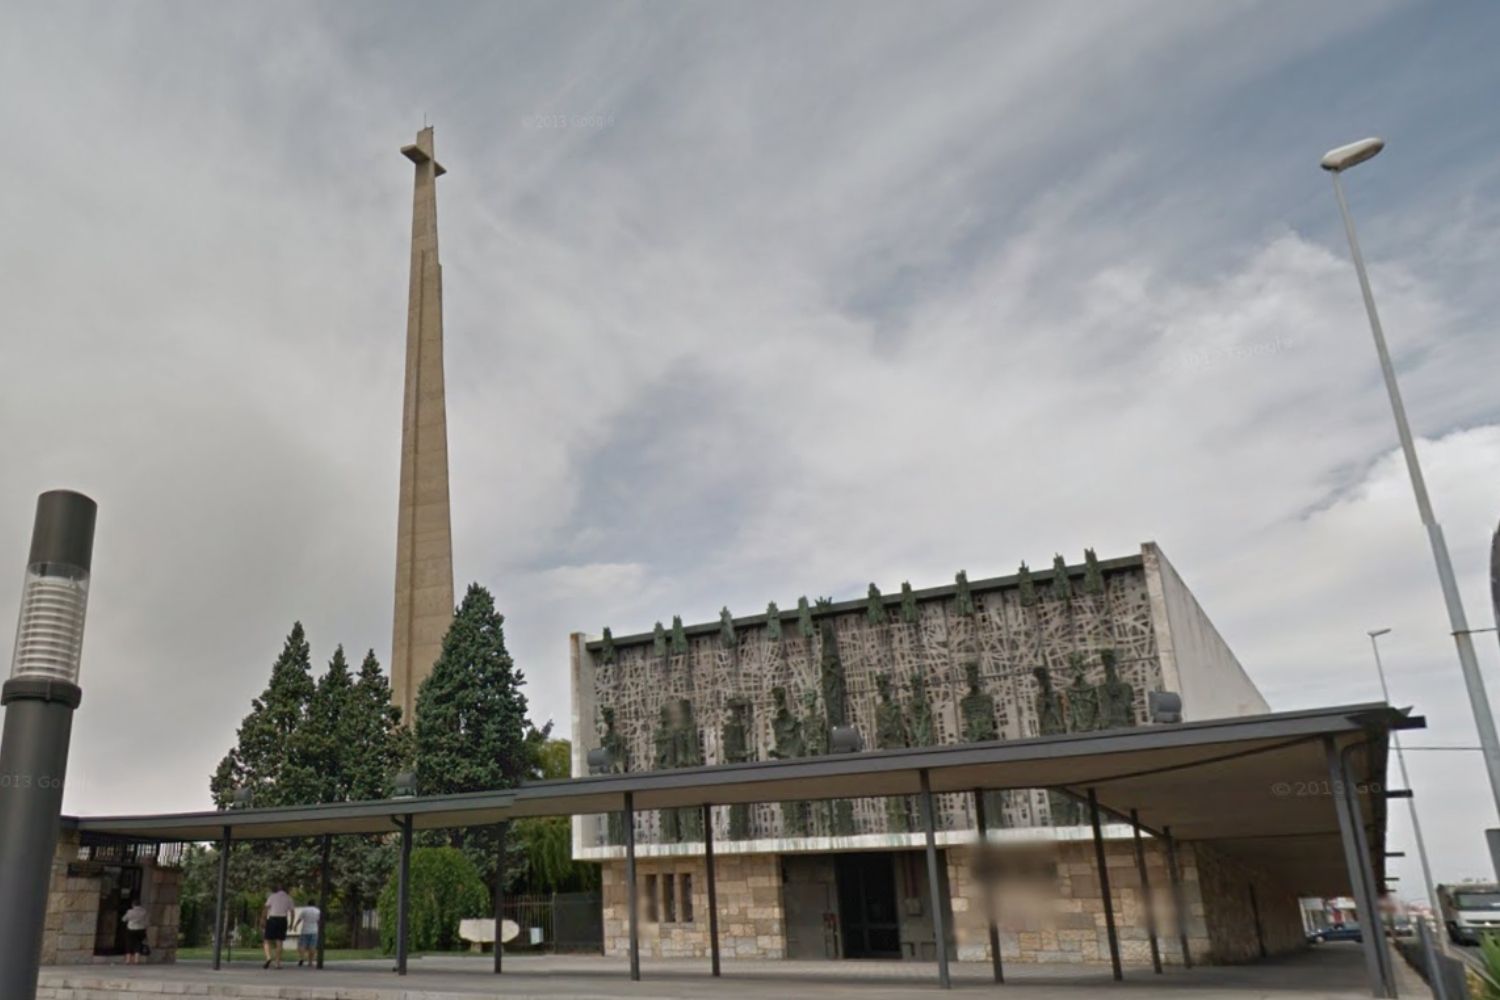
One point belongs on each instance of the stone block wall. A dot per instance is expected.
(1055, 916)
(73, 910)
(1225, 891)
(751, 922)
(1063, 920)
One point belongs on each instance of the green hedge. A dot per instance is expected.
(445, 888)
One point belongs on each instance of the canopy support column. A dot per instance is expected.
(1260, 934)
(1179, 903)
(982, 825)
(713, 891)
(1361, 878)
(1109, 906)
(500, 895)
(219, 914)
(934, 880)
(635, 935)
(403, 897)
(323, 879)
(1140, 866)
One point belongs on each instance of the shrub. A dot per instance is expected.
(445, 888)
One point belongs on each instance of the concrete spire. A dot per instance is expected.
(424, 537)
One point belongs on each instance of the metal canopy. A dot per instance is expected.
(1257, 786)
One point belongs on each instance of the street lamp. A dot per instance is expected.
(1336, 161)
(40, 698)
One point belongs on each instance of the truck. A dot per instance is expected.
(1470, 909)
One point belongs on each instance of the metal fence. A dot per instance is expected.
(557, 922)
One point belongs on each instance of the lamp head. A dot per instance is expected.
(54, 595)
(1341, 159)
(1377, 633)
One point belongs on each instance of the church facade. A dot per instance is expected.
(1073, 648)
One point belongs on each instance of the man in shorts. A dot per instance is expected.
(278, 913)
(306, 926)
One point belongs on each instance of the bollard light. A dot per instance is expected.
(40, 698)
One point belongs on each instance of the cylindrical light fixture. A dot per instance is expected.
(55, 594)
(40, 697)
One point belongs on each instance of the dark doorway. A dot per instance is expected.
(867, 905)
(117, 887)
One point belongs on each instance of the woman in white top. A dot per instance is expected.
(136, 920)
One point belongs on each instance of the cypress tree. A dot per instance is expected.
(260, 759)
(726, 629)
(471, 727)
(269, 759)
(679, 636)
(875, 606)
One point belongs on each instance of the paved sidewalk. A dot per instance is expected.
(1329, 972)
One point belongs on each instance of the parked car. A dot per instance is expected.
(1337, 932)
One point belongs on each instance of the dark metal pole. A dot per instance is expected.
(1178, 902)
(403, 897)
(323, 890)
(982, 824)
(1347, 822)
(635, 933)
(1382, 951)
(219, 913)
(713, 892)
(934, 881)
(500, 894)
(40, 698)
(1140, 865)
(1260, 934)
(1109, 906)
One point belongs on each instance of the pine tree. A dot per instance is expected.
(321, 743)
(471, 727)
(375, 747)
(260, 760)
(270, 761)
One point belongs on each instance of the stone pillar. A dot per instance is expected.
(72, 909)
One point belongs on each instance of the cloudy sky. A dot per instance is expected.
(745, 303)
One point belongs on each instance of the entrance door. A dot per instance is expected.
(867, 905)
(117, 887)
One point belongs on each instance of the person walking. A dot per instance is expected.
(136, 921)
(278, 912)
(306, 929)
